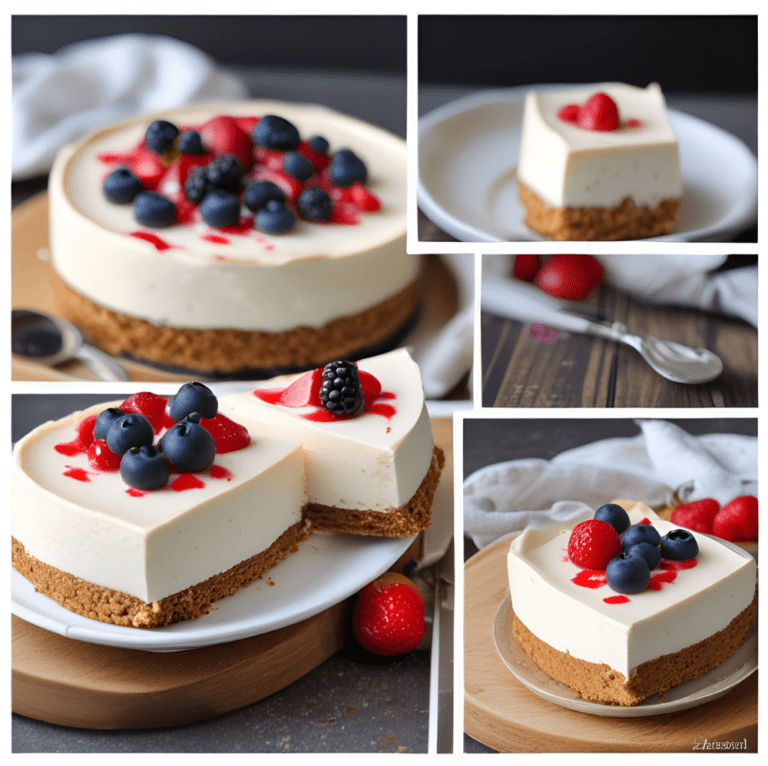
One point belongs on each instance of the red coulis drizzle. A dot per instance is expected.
(225, 133)
(305, 392)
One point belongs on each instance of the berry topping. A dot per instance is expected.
(319, 144)
(150, 405)
(526, 267)
(571, 277)
(593, 544)
(627, 573)
(679, 545)
(160, 135)
(220, 208)
(347, 168)
(228, 436)
(697, 515)
(224, 135)
(598, 113)
(196, 186)
(105, 420)
(193, 397)
(121, 186)
(225, 172)
(649, 552)
(314, 204)
(273, 132)
(341, 392)
(130, 430)
(189, 447)
(153, 209)
(274, 218)
(640, 533)
(737, 521)
(101, 457)
(298, 166)
(191, 142)
(389, 615)
(145, 467)
(615, 515)
(258, 193)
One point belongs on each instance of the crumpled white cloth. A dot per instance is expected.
(676, 280)
(58, 98)
(508, 497)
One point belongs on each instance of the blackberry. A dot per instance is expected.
(196, 186)
(341, 392)
(225, 173)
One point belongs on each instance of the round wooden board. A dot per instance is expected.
(31, 289)
(501, 713)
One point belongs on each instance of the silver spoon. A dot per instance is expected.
(50, 341)
(674, 361)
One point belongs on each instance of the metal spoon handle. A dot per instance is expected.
(102, 365)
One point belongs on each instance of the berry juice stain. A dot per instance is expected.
(620, 599)
(219, 472)
(160, 244)
(187, 481)
(78, 474)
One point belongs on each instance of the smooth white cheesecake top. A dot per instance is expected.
(699, 602)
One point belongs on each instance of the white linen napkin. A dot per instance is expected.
(58, 98)
(507, 497)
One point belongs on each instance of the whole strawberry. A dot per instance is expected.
(593, 544)
(696, 515)
(737, 521)
(389, 615)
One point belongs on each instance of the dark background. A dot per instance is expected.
(682, 53)
(361, 43)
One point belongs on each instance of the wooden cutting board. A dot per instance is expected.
(73, 683)
(501, 713)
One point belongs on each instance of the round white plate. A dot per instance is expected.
(327, 569)
(710, 686)
(468, 153)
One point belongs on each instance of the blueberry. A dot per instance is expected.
(160, 135)
(225, 172)
(274, 218)
(319, 144)
(347, 168)
(298, 166)
(189, 447)
(615, 515)
(196, 186)
(679, 545)
(190, 142)
(105, 420)
(220, 208)
(152, 209)
(314, 204)
(193, 397)
(647, 551)
(121, 186)
(145, 467)
(258, 193)
(627, 574)
(273, 132)
(640, 533)
(129, 430)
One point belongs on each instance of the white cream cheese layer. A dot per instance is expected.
(700, 602)
(368, 462)
(307, 277)
(164, 541)
(568, 166)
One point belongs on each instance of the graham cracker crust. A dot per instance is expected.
(600, 683)
(233, 353)
(625, 221)
(409, 519)
(105, 605)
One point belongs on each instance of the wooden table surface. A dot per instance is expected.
(581, 371)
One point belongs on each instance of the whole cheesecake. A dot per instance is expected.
(94, 528)
(620, 649)
(599, 162)
(244, 295)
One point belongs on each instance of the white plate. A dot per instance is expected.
(327, 569)
(468, 152)
(710, 686)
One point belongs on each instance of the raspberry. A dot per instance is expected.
(737, 521)
(696, 515)
(593, 544)
(101, 457)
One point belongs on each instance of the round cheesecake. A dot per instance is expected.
(234, 300)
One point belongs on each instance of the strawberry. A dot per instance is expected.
(593, 544)
(526, 267)
(228, 436)
(737, 521)
(389, 615)
(150, 405)
(599, 113)
(223, 135)
(571, 277)
(696, 515)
